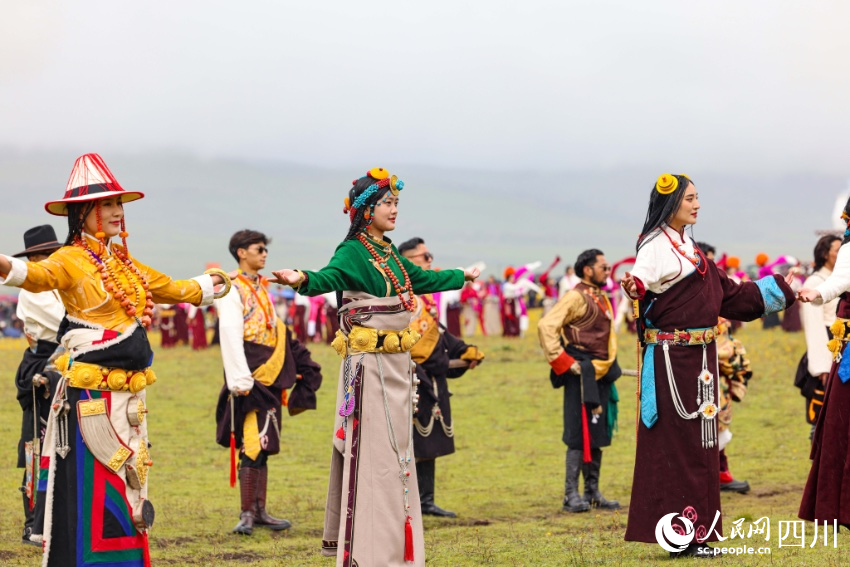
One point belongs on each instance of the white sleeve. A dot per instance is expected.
(207, 289)
(820, 359)
(232, 334)
(17, 275)
(645, 268)
(839, 281)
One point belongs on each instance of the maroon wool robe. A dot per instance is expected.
(827, 493)
(672, 470)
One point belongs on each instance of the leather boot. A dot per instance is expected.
(261, 517)
(248, 480)
(28, 519)
(573, 502)
(591, 483)
(425, 478)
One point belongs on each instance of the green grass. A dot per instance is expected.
(505, 481)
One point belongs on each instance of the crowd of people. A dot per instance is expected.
(400, 327)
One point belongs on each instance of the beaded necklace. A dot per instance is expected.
(696, 259)
(267, 312)
(137, 284)
(410, 303)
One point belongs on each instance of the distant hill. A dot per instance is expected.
(193, 205)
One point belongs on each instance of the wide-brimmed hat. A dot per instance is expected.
(39, 240)
(90, 179)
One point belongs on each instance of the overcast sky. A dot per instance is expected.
(759, 85)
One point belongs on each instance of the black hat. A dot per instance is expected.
(39, 240)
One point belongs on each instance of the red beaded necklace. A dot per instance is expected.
(410, 303)
(138, 285)
(697, 260)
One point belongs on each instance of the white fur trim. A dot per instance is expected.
(206, 283)
(79, 341)
(18, 274)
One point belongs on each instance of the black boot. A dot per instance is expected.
(249, 478)
(425, 478)
(28, 518)
(261, 517)
(591, 483)
(573, 502)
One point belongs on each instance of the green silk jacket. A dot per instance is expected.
(353, 268)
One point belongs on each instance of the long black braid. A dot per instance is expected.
(77, 213)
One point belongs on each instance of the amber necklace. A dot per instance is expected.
(267, 312)
(410, 303)
(137, 284)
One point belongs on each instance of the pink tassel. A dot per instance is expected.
(585, 434)
(408, 541)
(232, 459)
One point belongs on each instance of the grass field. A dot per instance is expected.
(505, 481)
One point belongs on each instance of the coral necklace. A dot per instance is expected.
(410, 303)
(137, 285)
(697, 260)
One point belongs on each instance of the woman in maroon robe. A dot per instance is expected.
(681, 296)
(826, 497)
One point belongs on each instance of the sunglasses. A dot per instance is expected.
(261, 249)
(427, 256)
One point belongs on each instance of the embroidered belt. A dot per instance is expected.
(364, 339)
(840, 330)
(688, 337)
(95, 377)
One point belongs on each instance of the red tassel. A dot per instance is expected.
(585, 434)
(232, 459)
(408, 541)
(340, 433)
(146, 554)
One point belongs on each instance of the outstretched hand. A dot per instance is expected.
(628, 283)
(286, 277)
(470, 274)
(808, 295)
(792, 274)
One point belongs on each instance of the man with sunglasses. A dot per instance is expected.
(581, 347)
(438, 355)
(265, 368)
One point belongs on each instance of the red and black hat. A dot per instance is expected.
(39, 240)
(90, 179)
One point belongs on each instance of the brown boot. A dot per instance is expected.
(248, 480)
(261, 517)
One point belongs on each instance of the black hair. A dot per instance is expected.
(359, 221)
(587, 259)
(822, 250)
(661, 209)
(706, 248)
(245, 238)
(77, 213)
(409, 245)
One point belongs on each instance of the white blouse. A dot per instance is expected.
(816, 318)
(659, 266)
(839, 281)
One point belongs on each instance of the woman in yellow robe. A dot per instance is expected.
(95, 455)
